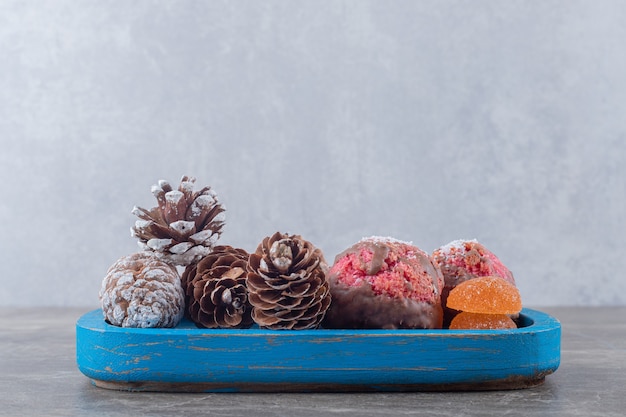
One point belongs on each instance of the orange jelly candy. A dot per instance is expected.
(478, 321)
(485, 295)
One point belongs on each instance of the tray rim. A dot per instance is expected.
(540, 339)
(539, 321)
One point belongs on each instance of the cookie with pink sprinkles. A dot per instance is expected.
(382, 282)
(461, 260)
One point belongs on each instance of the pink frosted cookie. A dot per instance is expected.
(384, 283)
(461, 260)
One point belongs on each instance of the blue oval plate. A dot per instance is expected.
(189, 359)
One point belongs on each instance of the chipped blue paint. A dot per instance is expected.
(246, 360)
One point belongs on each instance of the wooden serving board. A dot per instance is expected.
(189, 359)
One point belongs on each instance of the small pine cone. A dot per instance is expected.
(140, 290)
(216, 290)
(287, 283)
(184, 226)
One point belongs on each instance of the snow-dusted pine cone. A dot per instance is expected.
(184, 226)
(287, 283)
(139, 290)
(216, 292)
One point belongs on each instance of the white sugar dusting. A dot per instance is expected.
(213, 239)
(159, 244)
(385, 240)
(202, 236)
(196, 211)
(155, 274)
(183, 226)
(455, 244)
(263, 265)
(203, 201)
(186, 186)
(195, 253)
(181, 248)
(124, 278)
(198, 206)
(174, 196)
(143, 224)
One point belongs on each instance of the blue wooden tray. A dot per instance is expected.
(189, 359)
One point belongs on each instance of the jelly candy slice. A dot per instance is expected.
(478, 321)
(486, 295)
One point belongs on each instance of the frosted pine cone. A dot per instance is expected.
(184, 226)
(216, 290)
(140, 290)
(287, 283)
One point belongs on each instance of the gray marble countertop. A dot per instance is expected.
(39, 377)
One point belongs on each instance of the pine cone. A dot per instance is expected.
(287, 283)
(216, 290)
(140, 290)
(184, 226)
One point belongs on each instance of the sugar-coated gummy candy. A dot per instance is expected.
(486, 295)
(478, 321)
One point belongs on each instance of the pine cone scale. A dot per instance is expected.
(300, 289)
(275, 284)
(268, 320)
(294, 303)
(181, 248)
(264, 302)
(159, 244)
(182, 229)
(230, 320)
(157, 229)
(235, 272)
(201, 237)
(175, 206)
(306, 261)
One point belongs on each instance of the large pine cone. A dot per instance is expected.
(287, 283)
(184, 226)
(140, 290)
(216, 290)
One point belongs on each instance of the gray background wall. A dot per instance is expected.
(427, 121)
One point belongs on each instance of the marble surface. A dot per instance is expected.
(39, 377)
(428, 121)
